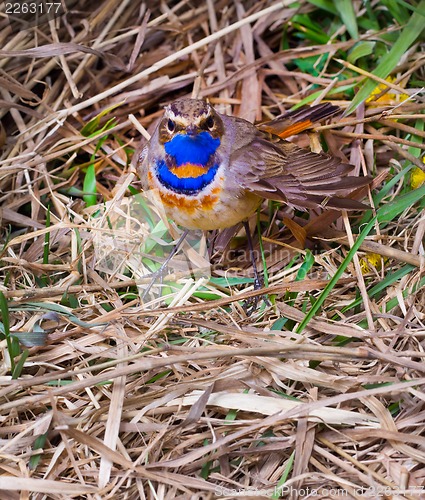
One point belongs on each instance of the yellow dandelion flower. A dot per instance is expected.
(370, 261)
(417, 177)
(389, 97)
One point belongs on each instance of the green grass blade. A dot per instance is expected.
(327, 5)
(12, 344)
(322, 297)
(413, 29)
(389, 186)
(360, 50)
(57, 308)
(311, 97)
(20, 365)
(394, 302)
(399, 10)
(281, 483)
(419, 125)
(301, 275)
(390, 211)
(89, 186)
(39, 443)
(345, 10)
(93, 126)
(381, 285)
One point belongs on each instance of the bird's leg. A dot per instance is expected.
(160, 272)
(250, 305)
(258, 280)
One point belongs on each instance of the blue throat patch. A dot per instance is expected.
(184, 185)
(194, 150)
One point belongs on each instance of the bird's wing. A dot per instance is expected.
(286, 172)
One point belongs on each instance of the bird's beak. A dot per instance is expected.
(191, 130)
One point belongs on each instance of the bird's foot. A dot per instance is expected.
(160, 273)
(155, 277)
(250, 305)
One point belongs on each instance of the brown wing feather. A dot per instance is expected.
(297, 176)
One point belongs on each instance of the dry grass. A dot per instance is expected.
(113, 399)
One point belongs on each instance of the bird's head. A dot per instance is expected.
(190, 134)
(190, 117)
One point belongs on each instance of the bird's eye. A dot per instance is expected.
(210, 122)
(171, 126)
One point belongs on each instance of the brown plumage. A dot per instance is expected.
(212, 170)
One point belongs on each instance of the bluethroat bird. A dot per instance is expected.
(212, 171)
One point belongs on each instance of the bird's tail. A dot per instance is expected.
(298, 120)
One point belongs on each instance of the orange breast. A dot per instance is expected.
(190, 204)
(188, 170)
